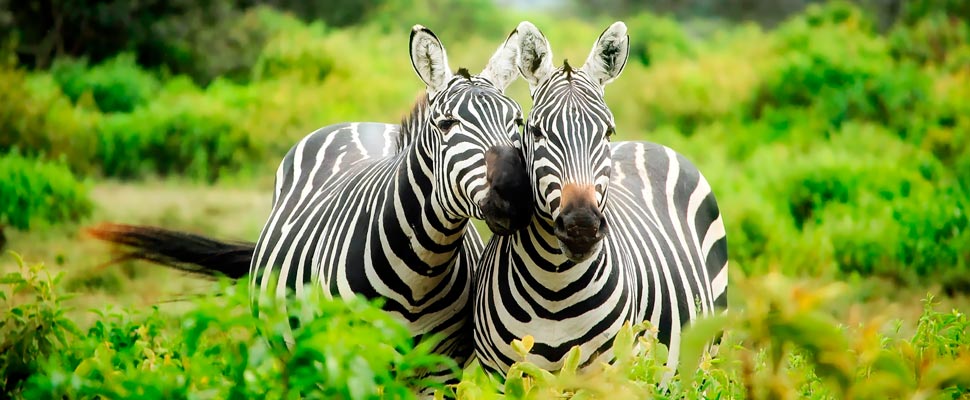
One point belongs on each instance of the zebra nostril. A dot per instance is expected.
(603, 227)
(560, 226)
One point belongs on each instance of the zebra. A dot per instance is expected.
(395, 226)
(381, 210)
(621, 231)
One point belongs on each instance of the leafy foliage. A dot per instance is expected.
(36, 119)
(822, 137)
(117, 85)
(219, 349)
(34, 324)
(187, 133)
(784, 339)
(34, 192)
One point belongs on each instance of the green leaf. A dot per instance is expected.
(695, 339)
(571, 363)
(515, 383)
(12, 278)
(623, 344)
(894, 365)
(524, 346)
(540, 375)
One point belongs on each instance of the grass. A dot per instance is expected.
(224, 211)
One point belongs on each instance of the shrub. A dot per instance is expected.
(690, 93)
(948, 135)
(296, 52)
(221, 350)
(656, 38)
(833, 63)
(21, 124)
(916, 10)
(881, 216)
(34, 324)
(782, 339)
(447, 18)
(935, 39)
(37, 120)
(934, 232)
(187, 133)
(117, 84)
(35, 192)
(217, 40)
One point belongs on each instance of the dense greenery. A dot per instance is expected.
(212, 353)
(838, 147)
(833, 147)
(787, 341)
(39, 193)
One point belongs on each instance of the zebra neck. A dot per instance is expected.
(432, 237)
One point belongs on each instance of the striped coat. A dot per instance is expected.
(626, 231)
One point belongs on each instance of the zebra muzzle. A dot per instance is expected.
(580, 230)
(508, 205)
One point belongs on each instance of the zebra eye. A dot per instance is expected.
(446, 124)
(536, 132)
(610, 132)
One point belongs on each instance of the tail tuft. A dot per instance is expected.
(179, 250)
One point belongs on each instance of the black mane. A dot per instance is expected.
(411, 123)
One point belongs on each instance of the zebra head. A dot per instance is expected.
(478, 173)
(567, 140)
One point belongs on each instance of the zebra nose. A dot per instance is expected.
(508, 204)
(579, 229)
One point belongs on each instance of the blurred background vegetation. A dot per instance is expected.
(835, 134)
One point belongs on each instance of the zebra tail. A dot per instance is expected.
(179, 250)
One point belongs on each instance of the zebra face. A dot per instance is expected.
(473, 125)
(476, 124)
(567, 141)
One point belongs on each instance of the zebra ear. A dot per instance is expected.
(535, 54)
(609, 54)
(429, 59)
(502, 68)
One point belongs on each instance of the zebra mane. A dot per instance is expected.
(567, 69)
(412, 123)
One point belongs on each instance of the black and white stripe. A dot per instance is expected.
(382, 210)
(626, 231)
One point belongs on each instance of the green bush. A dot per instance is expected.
(34, 324)
(35, 193)
(117, 84)
(36, 119)
(185, 133)
(934, 232)
(221, 41)
(832, 62)
(782, 339)
(936, 39)
(295, 52)
(655, 38)
(881, 216)
(483, 17)
(915, 10)
(218, 349)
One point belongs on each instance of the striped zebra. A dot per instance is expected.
(623, 231)
(382, 210)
